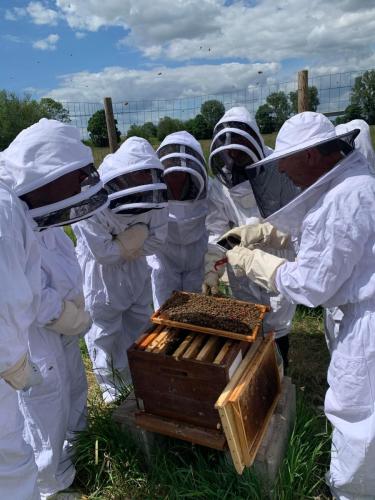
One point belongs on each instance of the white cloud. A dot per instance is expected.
(214, 29)
(41, 14)
(48, 43)
(15, 13)
(38, 12)
(80, 35)
(162, 82)
(12, 38)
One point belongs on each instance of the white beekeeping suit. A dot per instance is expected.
(19, 304)
(62, 281)
(237, 143)
(333, 210)
(112, 248)
(179, 263)
(334, 315)
(51, 170)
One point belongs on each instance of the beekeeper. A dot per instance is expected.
(327, 196)
(112, 248)
(19, 304)
(333, 315)
(237, 143)
(52, 172)
(179, 263)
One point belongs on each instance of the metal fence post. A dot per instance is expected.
(111, 125)
(303, 91)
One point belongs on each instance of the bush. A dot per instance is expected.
(97, 129)
(18, 113)
(168, 125)
(211, 112)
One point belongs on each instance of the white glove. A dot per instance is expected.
(72, 321)
(259, 266)
(23, 375)
(131, 241)
(257, 234)
(211, 275)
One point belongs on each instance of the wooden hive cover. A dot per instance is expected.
(220, 305)
(248, 402)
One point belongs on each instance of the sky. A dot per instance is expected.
(83, 50)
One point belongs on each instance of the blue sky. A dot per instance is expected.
(81, 50)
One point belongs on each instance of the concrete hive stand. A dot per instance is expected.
(272, 449)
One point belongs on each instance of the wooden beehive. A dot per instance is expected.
(206, 389)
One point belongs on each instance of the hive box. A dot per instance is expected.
(208, 390)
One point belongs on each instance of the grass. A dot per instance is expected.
(109, 465)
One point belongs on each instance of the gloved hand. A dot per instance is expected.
(257, 234)
(211, 275)
(72, 321)
(131, 241)
(23, 375)
(259, 266)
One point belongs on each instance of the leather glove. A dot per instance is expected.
(256, 234)
(211, 275)
(259, 266)
(23, 375)
(131, 241)
(72, 321)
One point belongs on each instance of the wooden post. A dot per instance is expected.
(111, 125)
(303, 91)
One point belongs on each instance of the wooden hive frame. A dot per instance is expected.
(159, 318)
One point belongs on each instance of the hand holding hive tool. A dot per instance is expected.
(213, 272)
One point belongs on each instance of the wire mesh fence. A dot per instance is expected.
(333, 92)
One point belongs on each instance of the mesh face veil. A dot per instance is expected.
(278, 181)
(184, 172)
(235, 146)
(136, 191)
(90, 197)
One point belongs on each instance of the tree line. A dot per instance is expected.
(17, 113)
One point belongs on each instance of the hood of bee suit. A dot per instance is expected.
(134, 154)
(133, 177)
(42, 153)
(181, 152)
(183, 138)
(239, 114)
(363, 140)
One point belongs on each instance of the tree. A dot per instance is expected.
(352, 112)
(278, 101)
(17, 113)
(54, 110)
(265, 119)
(168, 125)
(97, 129)
(198, 127)
(362, 99)
(212, 111)
(313, 99)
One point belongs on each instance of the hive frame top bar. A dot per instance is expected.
(158, 318)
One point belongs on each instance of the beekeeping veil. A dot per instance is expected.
(363, 140)
(184, 167)
(273, 189)
(47, 154)
(133, 178)
(237, 143)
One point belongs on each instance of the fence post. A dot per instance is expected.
(303, 91)
(111, 125)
